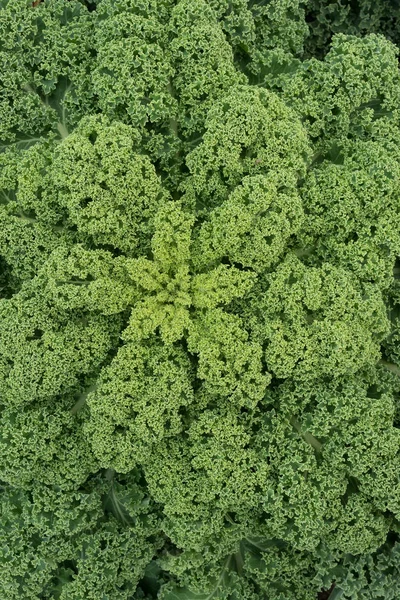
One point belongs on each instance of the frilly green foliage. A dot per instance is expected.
(355, 18)
(171, 285)
(253, 226)
(314, 321)
(109, 190)
(250, 132)
(343, 95)
(199, 300)
(350, 205)
(78, 544)
(137, 403)
(132, 68)
(31, 221)
(45, 59)
(45, 444)
(44, 350)
(204, 70)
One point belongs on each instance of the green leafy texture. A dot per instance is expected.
(25, 179)
(202, 59)
(139, 401)
(272, 69)
(166, 278)
(91, 280)
(370, 576)
(171, 309)
(45, 54)
(360, 18)
(32, 224)
(94, 187)
(252, 227)
(44, 351)
(110, 191)
(237, 22)
(171, 241)
(307, 499)
(266, 37)
(391, 344)
(281, 572)
(199, 479)
(248, 132)
(316, 322)
(225, 584)
(229, 364)
(132, 77)
(357, 83)
(132, 69)
(160, 66)
(350, 428)
(352, 212)
(279, 24)
(257, 27)
(220, 286)
(150, 583)
(8, 284)
(67, 546)
(44, 443)
(171, 288)
(280, 33)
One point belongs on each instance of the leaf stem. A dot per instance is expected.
(310, 439)
(82, 399)
(62, 130)
(390, 367)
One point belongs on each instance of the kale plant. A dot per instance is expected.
(199, 299)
